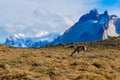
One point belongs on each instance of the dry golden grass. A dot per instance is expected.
(101, 62)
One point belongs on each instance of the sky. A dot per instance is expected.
(37, 17)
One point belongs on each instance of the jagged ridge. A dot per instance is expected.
(91, 26)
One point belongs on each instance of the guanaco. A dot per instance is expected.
(78, 49)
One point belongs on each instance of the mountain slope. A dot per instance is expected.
(90, 27)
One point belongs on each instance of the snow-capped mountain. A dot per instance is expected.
(91, 26)
(19, 40)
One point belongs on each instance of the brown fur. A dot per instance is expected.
(78, 49)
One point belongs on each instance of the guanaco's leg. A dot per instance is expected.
(84, 51)
(78, 51)
(73, 52)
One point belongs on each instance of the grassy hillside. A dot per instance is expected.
(101, 62)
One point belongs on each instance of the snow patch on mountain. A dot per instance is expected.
(15, 36)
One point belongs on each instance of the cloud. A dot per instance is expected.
(41, 22)
(42, 33)
(68, 21)
(50, 21)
